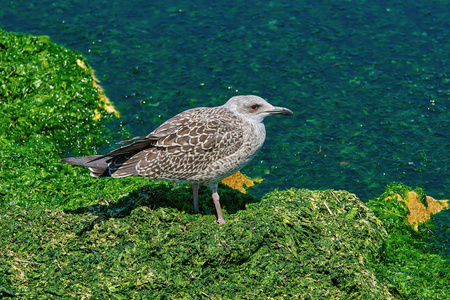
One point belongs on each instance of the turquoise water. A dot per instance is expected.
(368, 82)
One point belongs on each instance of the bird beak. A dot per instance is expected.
(280, 111)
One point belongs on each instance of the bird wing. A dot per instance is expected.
(191, 149)
(199, 137)
(139, 143)
(198, 132)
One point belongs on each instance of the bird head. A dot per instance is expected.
(254, 108)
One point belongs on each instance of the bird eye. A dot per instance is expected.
(255, 106)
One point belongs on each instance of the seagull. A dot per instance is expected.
(200, 146)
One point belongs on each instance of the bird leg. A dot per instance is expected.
(195, 188)
(216, 199)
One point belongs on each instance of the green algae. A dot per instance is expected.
(65, 235)
(413, 264)
(286, 245)
(401, 189)
(47, 103)
(291, 244)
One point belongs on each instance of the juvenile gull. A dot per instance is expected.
(200, 146)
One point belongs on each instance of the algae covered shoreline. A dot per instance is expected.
(66, 235)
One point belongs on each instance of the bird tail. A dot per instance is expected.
(98, 164)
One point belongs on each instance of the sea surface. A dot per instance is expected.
(369, 81)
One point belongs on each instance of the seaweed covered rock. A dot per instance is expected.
(47, 106)
(296, 243)
(414, 260)
(46, 97)
(420, 206)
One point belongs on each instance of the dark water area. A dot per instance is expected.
(367, 81)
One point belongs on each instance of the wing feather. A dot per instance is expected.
(181, 147)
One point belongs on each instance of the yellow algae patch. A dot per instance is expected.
(237, 181)
(418, 213)
(104, 101)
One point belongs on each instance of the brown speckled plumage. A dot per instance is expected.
(200, 146)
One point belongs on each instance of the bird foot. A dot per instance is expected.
(221, 221)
